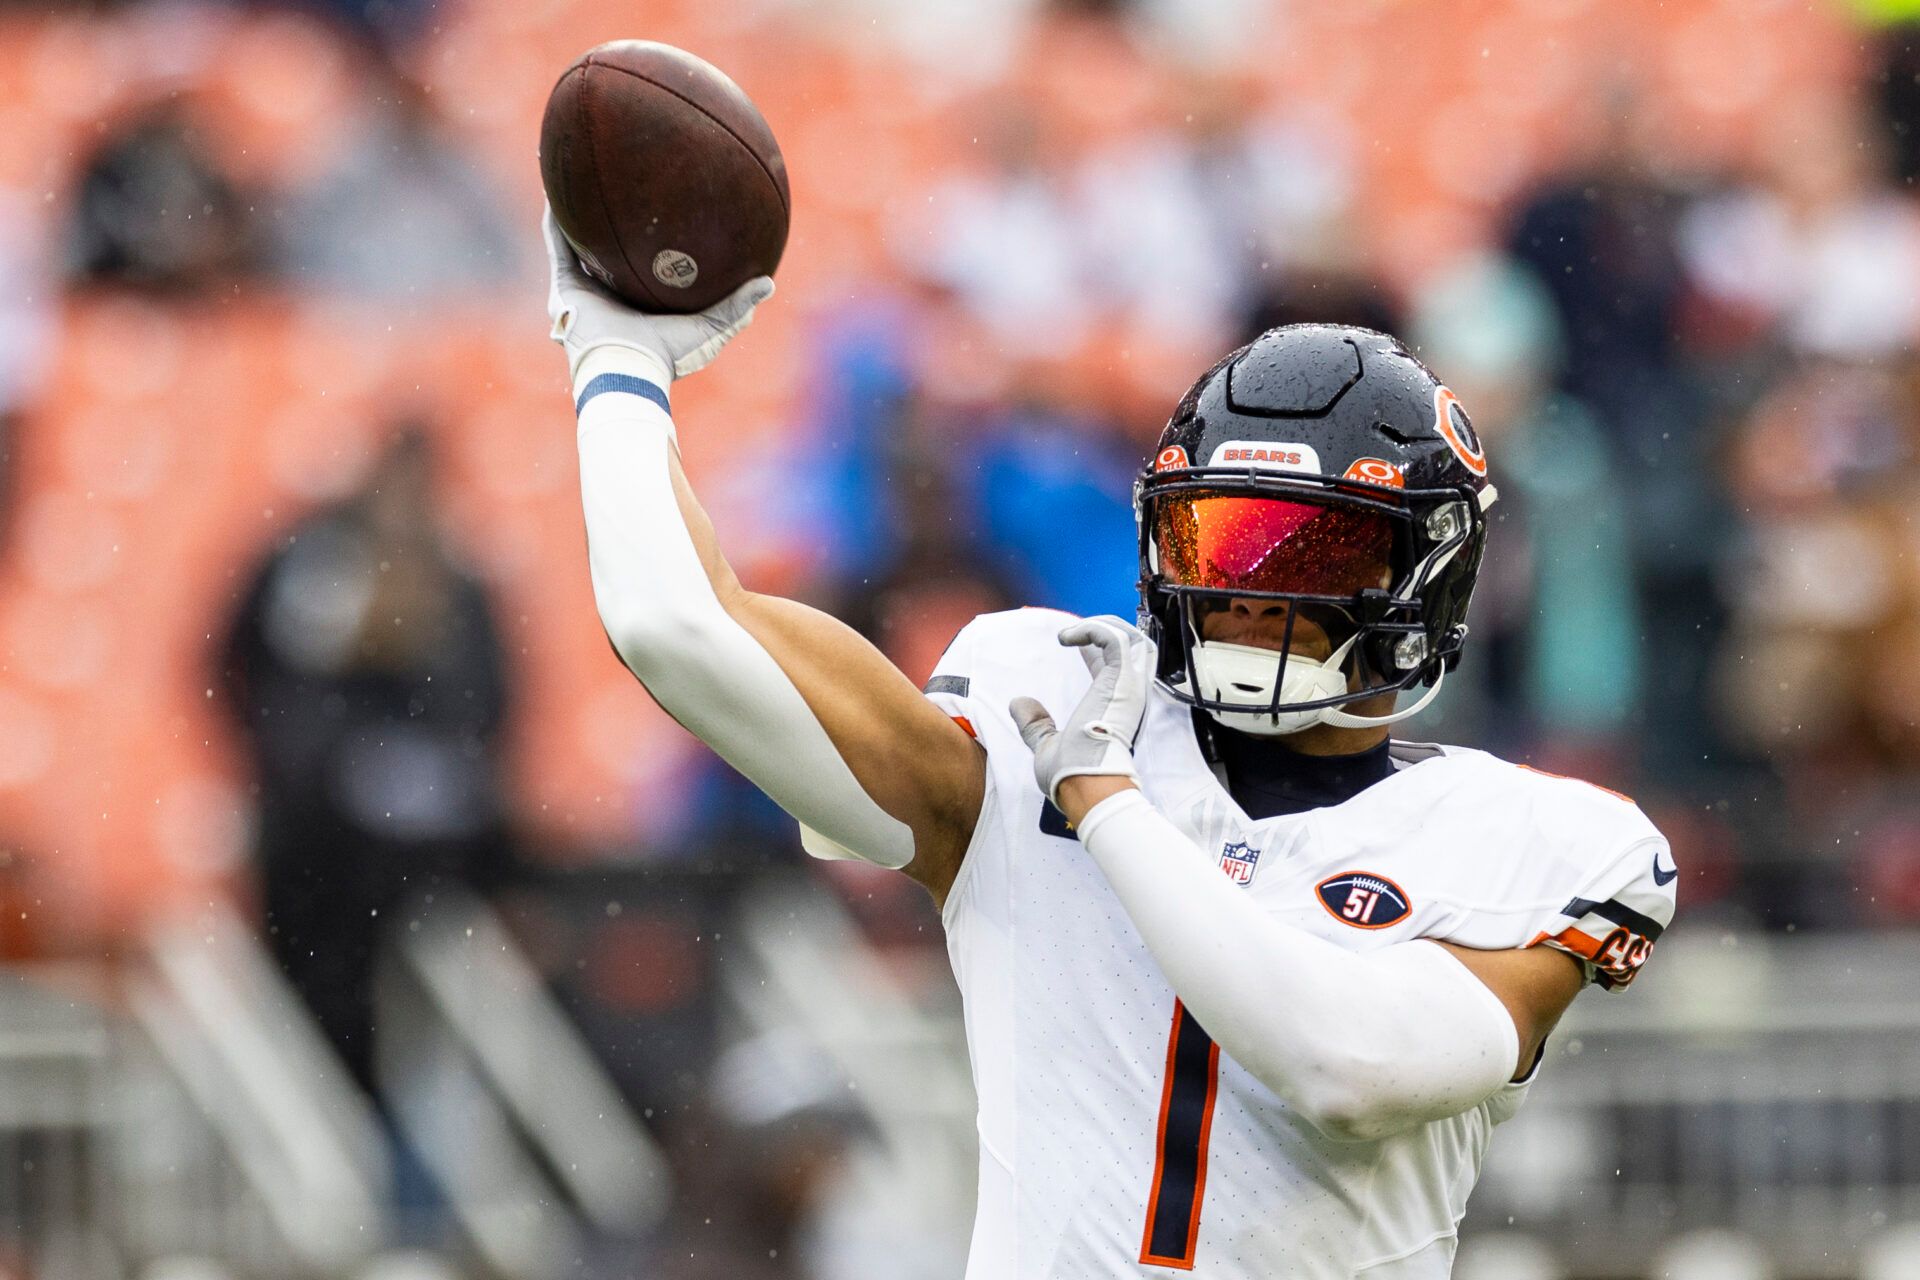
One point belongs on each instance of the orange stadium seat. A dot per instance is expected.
(150, 499)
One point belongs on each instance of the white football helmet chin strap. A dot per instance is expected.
(1243, 675)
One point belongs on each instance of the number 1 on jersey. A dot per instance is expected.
(1180, 1151)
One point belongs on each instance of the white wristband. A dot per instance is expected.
(621, 370)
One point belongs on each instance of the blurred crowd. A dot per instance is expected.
(1698, 383)
(1698, 379)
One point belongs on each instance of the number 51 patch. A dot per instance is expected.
(1363, 900)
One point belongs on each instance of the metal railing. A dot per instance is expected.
(505, 1101)
(1769, 1086)
(899, 1045)
(300, 1139)
(182, 1102)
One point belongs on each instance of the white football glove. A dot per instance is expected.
(1098, 739)
(586, 317)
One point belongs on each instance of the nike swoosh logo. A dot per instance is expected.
(1664, 877)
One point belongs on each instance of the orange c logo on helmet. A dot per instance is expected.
(1172, 458)
(1376, 471)
(1451, 421)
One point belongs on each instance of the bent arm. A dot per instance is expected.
(1363, 1044)
(798, 703)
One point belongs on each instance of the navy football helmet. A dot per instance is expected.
(1325, 467)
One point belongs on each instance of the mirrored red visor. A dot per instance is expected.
(1236, 543)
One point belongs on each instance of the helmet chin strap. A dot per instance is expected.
(1347, 720)
(1244, 675)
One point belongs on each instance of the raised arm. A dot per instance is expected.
(799, 703)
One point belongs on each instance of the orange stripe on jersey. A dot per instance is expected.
(1582, 945)
(967, 724)
(1617, 795)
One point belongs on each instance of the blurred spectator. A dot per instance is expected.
(1602, 238)
(1004, 240)
(1822, 580)
(1600, 235)
(403, 212)
(1820, 248)
(1815, 676)
(383, 24)
(1556, 622)
(1897, 97)
(368, 680)
(1813, 680)
(1169, 229)
(1324, 296)
(152, 210)
(1018, 491)
(1183, 223)
(1052, 491)
(861, 443)
(913, 613)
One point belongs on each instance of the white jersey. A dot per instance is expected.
(1115, 1139)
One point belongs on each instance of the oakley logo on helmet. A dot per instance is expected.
(1172, 458)
(1264, 455)
(1451, 421)
(1376, 471)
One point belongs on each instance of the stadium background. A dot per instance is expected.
(271, 326)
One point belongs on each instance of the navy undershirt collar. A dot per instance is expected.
(1268, 779)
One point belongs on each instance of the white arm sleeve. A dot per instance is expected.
(1362, 1044)
(668, 626)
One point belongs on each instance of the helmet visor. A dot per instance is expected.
(1233, 543)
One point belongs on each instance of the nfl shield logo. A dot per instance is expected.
(1238, 860)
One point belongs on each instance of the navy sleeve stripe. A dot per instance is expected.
(621, 382)
(955, 685)
(1618, 912)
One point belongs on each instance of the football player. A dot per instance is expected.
(1247, 983)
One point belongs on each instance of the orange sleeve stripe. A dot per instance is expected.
(967, 724)
(1587, 948)
(1617, 795)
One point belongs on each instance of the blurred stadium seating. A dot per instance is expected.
(171, 439)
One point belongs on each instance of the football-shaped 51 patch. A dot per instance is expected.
(1363, 900)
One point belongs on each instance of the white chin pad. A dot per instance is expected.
(1242, 675)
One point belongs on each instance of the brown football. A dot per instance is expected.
(664, 176)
